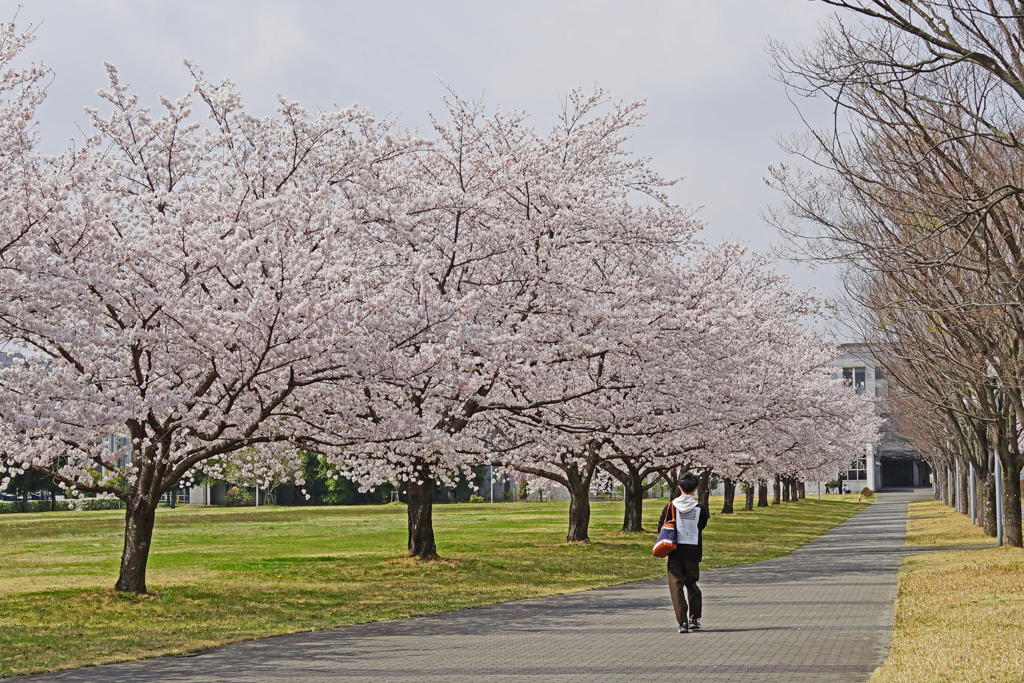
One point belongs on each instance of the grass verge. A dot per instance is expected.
(222, 575)
(959, 614)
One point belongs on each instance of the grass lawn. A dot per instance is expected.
(959, 614)
(218, 575)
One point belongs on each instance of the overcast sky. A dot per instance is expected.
(713, 109)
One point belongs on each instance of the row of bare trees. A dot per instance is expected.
(916, 189)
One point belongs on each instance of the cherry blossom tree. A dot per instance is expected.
(719, 375)
(223, 291)
(536, 242)
(187, 286)
(264, 467)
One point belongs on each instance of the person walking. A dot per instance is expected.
(684, 562)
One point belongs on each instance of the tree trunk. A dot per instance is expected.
(633, 497)
(671, 477)
(785, 490)
(749, 495)
(577, 479)
(762, 493)
(963, 486)
(802, 489)
(730, 496)
(987, 504)
(24, 499)
(1011, 505)
(704, 488)
(139, 518)
(420, 511)
(579, 512)
(776, 491)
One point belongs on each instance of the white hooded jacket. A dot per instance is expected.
(687, 517)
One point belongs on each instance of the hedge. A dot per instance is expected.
(63, 505)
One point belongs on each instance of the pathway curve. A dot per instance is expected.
(821, 613)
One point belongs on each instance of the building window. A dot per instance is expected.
(880, 383)
(858, 470)
(855, 377)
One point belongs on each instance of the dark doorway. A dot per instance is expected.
(897, 473)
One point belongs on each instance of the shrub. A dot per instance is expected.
(523, 489)
(33, 506)
(236, 497)
(476, 499)
(866, 492)
(63, 505)
(341, 496)
(95, 504)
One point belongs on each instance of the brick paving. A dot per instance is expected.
(821, 613)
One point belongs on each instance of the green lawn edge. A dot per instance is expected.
(219, 576)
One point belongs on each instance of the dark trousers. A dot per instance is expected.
(682, 584)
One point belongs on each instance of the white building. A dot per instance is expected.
(893, 462)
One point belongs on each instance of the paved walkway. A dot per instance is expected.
(822, 613)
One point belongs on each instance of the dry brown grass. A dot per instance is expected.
(959, 614)
(932, 523)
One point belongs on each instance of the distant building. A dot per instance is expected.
(893, 462)
(9, 359)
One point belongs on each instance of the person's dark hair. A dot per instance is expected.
(688, 482)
